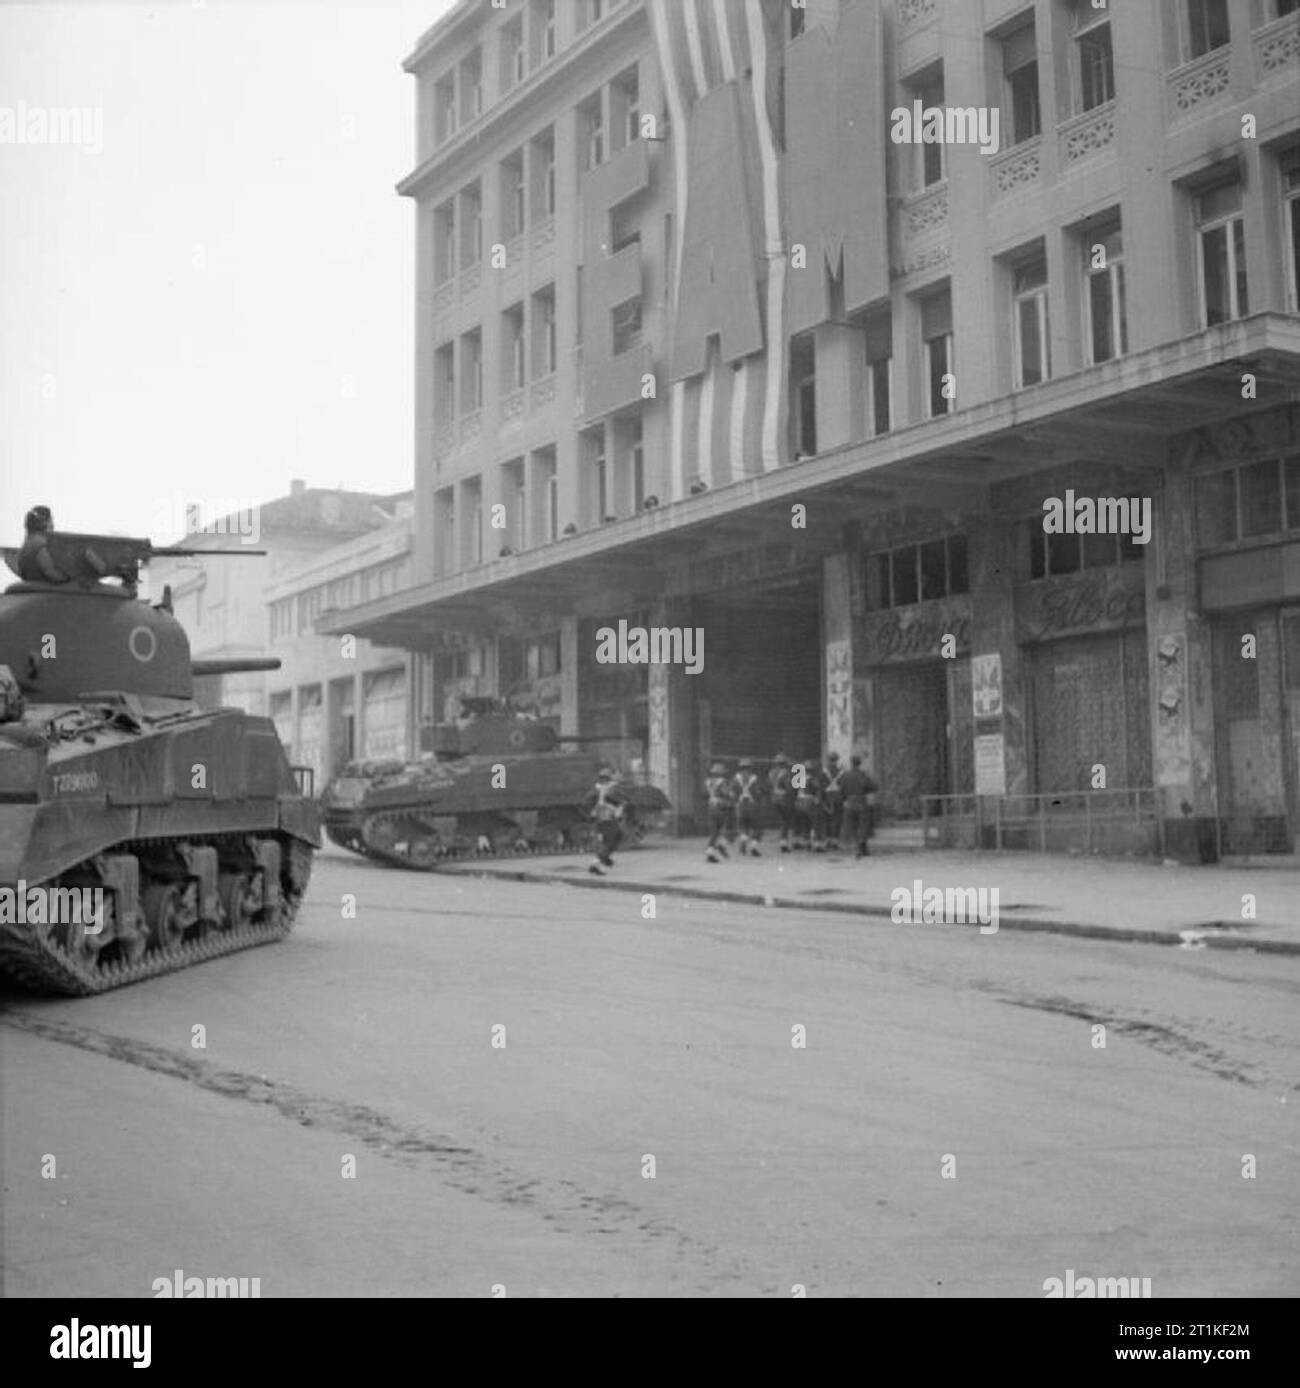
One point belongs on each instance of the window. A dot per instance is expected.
(471, 371)
(627, 326)
(878, 344)
(542, 175)
(471, 88)
(1020, 71)
(1207, 26)
(591, 127)
(636, 452)
(936, 335)
(444, 517)
(542, 657)
(593, 445)
(474, 510)
(930, 93)
(471, 225)
(514, 495)
(798, 17)
(1256, 499)
(918, 573)
(625, 108)
(878, 384)
(444, 241)
(513, 202)
(544, 346)
(444, 383)
(543, 29)
(1221, 251)
(512, 343)
(444, 98)
(1107, 313)
(1291, 220)
(514, 65)
(803, 376)
(1095, 56)
(1033, 349)
(552, 504)
(624, 228)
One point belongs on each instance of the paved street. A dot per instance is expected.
(627, 1037)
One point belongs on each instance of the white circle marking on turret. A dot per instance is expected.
(153, 644)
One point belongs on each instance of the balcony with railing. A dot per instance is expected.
(1277, 49)
(1087, 135)
(1016, 169)
(1202, 82)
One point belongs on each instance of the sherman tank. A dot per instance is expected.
(139, 832)
(497, 783)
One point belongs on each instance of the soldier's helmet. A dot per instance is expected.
(717, 769)
(745, 764)
(38, 518)
(606, 773)
(780, 759)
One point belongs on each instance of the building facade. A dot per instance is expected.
(339, 698)
(801, 328)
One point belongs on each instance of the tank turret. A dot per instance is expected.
(185, 827)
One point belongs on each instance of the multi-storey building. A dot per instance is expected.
(707, 339)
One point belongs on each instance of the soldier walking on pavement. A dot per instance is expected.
(857, 785)
(808, 807)
(782, 793)
(718, 788)
(748, 786)
(832, 798)
(605, 804)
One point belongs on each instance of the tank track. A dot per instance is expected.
(45, 966)
(581, 838)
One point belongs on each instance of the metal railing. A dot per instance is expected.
(1087, 821)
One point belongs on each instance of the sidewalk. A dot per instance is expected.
(1094, 897)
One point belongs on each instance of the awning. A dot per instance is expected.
(1119, 413)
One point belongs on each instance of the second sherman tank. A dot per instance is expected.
(496, 783)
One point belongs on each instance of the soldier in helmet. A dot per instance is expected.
(718, 792)
(832, 800)
(605, 804)
(782, 793)
(747, 788)
(35, 563)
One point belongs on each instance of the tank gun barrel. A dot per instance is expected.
(246, 666)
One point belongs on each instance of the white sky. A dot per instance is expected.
(261, 140)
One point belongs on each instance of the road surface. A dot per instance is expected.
(950, 1128)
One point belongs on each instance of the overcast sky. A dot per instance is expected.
(219, 300)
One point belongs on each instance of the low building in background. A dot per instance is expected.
(223, 602)
(337, 698)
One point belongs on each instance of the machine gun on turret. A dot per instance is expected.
(90, 559)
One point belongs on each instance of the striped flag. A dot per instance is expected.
(704, 45)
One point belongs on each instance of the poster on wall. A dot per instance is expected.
(839, 695)
(990, 765)
(986, 685)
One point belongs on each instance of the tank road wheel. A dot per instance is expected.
(241, 898)
(424, 850)
(165, 914)
(77, 941)
(381, 835)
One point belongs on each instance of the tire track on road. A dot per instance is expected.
(562, 1204)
